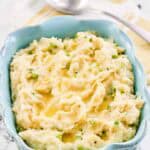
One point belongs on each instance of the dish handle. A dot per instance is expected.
(147, 96)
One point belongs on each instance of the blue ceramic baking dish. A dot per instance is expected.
(67, 26)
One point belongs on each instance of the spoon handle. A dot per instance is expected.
(145, 35)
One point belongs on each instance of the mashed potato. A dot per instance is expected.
(74, 94)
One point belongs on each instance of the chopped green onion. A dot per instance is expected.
(52, 45)
(101, 69)
(90, 39)
(67, 53)
(33, 93)
(112, 91)
(65, 47)
(30, 69)
(108, 107)
(121, 91)
(116, 123)
(114, 56)
(30, 52)
(122, 65)
(91, 54)
(116, 44)
(92, 122)
(14, 97)
(82, 148)
(107, 68)
(67, 66)
(19, 128)
(34, 76)
(104, 99)
(75, 36)
(50, 50)
(78, 137)
(59, 136)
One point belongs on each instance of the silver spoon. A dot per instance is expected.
(145, 35)
(69, 6)
(78, 6)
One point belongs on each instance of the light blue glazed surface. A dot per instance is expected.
(66, 27)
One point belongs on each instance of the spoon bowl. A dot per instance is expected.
(69, 6)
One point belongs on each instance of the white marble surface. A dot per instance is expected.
(15, 13)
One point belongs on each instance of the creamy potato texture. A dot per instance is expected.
(74, 94)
